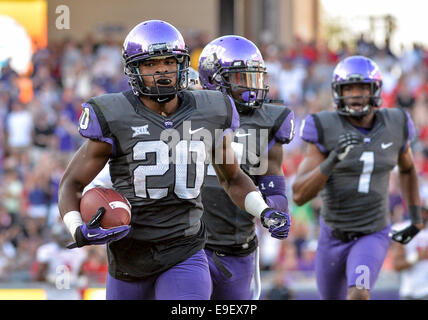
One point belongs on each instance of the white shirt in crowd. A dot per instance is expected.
(20, 128)
(414, 280)
(63, 264)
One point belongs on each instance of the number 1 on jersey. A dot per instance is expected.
(368, 165)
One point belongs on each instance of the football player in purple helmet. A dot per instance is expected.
(157, 139)
(149, 44)
(368, 75)
(350, 154)
(234, 65)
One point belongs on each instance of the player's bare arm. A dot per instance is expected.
(409, 184)
(275, 159)
(88, 161)
(244, 194)
(234, 181)
(272, 184)
(309, 178)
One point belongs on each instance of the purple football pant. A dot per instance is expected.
(188, 280)
(238, 286)
(340, 265)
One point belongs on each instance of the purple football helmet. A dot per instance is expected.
(153, 39)
(234, 65)
(356, 69)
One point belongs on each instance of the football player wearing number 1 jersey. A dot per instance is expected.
(234, 65)
(349, 157)
(158, 139)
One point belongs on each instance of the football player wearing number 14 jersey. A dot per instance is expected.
(350, 154)
(234, 65)
(158, 139)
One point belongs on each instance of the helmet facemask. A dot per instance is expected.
(357, 70)
(160, 92)
(244, 82)
(344, 106)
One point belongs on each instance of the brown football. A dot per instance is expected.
(118, 208)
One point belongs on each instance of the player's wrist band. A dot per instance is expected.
(415, 214)
(72, 220)
(272, 185)
(255, 204)
(274, 190)
(328, 164)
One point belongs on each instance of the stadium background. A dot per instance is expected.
(56, 54)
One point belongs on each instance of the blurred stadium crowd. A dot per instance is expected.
(39, 115)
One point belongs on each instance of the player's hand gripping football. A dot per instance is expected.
(345, 143)
(92, 232)
(277, 222)
(404, 236)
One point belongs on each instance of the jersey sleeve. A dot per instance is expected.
(410, 130)
(309, 132)
(93, 126)
(285, 132)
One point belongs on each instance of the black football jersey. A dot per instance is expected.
(159, 164)
(229, 228)
(355, 197)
